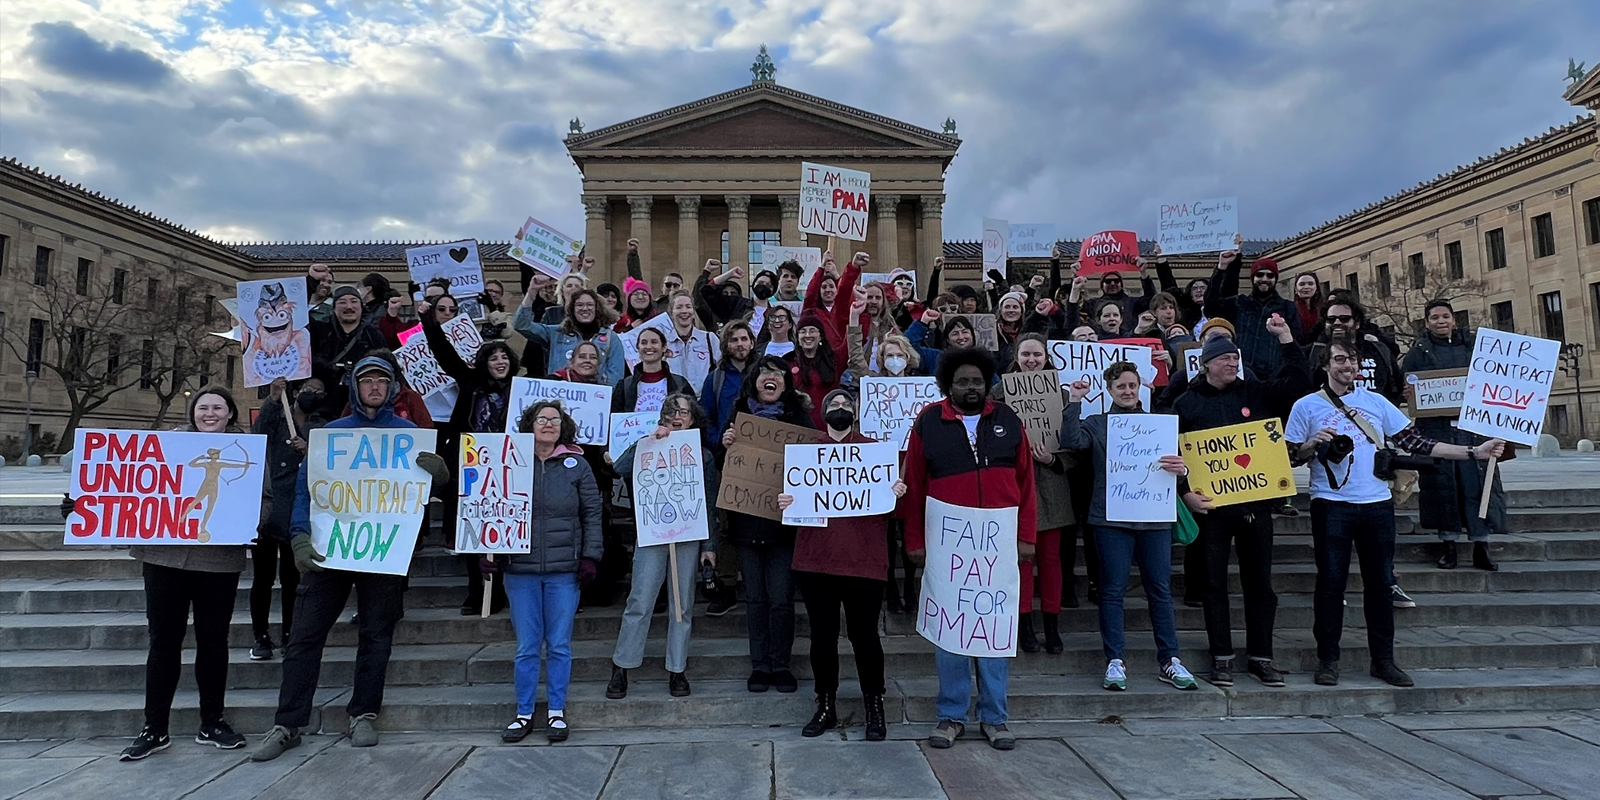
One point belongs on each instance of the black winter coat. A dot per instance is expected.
(1249, 316)
(566, 516)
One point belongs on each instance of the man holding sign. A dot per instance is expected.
(970, 500)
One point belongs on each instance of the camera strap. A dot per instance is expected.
(1361, 422)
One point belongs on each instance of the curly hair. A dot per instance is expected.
(697, 414)
(569, 427)
(1118, 369)
(952, 360)
(480, 363)
(793, 401)
(604, 316)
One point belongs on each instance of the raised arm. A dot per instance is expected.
(443, 351)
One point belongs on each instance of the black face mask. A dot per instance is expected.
(308, 400)
(840, 419)
(762, 291)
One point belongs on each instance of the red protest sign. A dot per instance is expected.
(1108, 251)
(1157, 348)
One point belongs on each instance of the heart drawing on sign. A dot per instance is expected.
(459, 254)
(1243, 460)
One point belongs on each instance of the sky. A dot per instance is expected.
(443, 119)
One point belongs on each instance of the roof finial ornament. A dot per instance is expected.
(949, 126)
(1575, 70)
(763, 69)
(575, 127)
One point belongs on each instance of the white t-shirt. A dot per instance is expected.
(972, 429)
(652, 395)
(780, 349)
(1312, 413)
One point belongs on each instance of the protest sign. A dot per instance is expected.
(1087, 361)
(809, 259)
(1238, 463)
(1437, 392)
(1137, 488)
(1157, 349)
(368, 496)
(588, 404)
(142, 487)
(995, 232)
(840, 480)
(972, 586)
(1036, 398)
(669, 489)
(420, 369)
(629, 427)
(544, 248)
(274, 342)
(752, 471)
(869, 278)
(464, 336)
(1109, 251)
(834, 201)
(1031, 240)
(1508, 386)
(890, 405)
(457, 261)
(1190, 353)
(493, 509)
(630, 339)
(1197, 226)
(985, 332)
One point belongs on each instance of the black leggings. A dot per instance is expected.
(168, 595)
(861, 599)
(272, 559)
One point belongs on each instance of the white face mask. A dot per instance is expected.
(895, 364)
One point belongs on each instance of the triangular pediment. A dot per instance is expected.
(1586, 92)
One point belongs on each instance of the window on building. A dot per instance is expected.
(147, 364)
(1555, 327)
(41, 265)
(758, 241)
(1385, 289)
(78, 351)
(1591, 224)
(210, 310)
(1503, 318)
(205, 372)
(152, 287)
(1558, 419)
(1453, 262)
(35, 345)
(1594, 300)
(5, 242)
(1462, 319)
(119, 285)
(1544, 236)
(1418, 270)
(232, 367)
(183, 300)
(114, 358)
(1327, 288)
(85, 270)
(1418, 326)
(1495, 243)
(1353, 283)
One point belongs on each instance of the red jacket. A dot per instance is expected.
(856, 547)
(940, 464)
(836, 319)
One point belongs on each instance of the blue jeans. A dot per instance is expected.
(1153, 549)
(542, 609)
(1336, 529)
(955, 687)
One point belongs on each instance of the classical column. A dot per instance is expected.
(596, 210)
(932, 243)
(688, 237)
(789, 230)
(888, 255)
(640, 206)
(739, 233)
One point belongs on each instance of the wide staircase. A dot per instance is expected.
(72, 645)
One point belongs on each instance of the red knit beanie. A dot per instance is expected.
(1264, 265)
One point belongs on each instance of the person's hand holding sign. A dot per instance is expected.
(784, 501)
(1174, 464)
(1198, 503)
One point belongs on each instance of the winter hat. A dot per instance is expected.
(346, 291)
(1264, 265)
(846, 392)
(811, 319)
(1217, 347)
(632, 285)
(374, 364)
(1214, 323)
(1020, 297)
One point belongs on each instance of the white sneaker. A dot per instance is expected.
(1175, 674)
(1116, 676)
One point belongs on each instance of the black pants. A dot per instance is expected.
(1194, 571)
(1251, 536)
(861, 599)
(908, 588)
(273, 560)
(322, 597)
(168, 595)
(769, 604)
(1336, 528)
(1069, 559)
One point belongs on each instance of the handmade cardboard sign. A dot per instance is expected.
(368, 496)
(274, 342)
(544, 248)
(1156, 348)
(1137, 488)
(1437, 392)
(971, 588)
(457, 261)
(421, 369)
(150, 488)
(1508, 386)
(1238, 463)
(588, 404)
(493, 509)
(995, 232)
(752, 471)
(629, 427)
(985, 331)
(669, 489)
(834, 201)
(1036, 397)
(1197, 226)
(840, 480)
(1109, 251)
(1087, 361)
(1190, 352)
(890, 405)
(1031, 240)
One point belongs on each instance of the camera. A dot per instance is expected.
(708, 579)
(1336, 449)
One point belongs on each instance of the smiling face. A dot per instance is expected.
(547, 427)
(584, 308)
(1264, 281)
(1305, 286)
(808, 338)
(830, 290)
(652, 346)
(779, 323)
(347, 309)
(739, 344)
(904, 287)
(1222, 370)
(1125, 389)
(211, 414)
(1197, 292)
(1441, 322)
(499, 364)
(1110, 283)
(874, 299)
(1341, 321)
(682, 311)
(639, 301)
(1344, 364)
(1031, 356)
(1010, 309)
(585, 360)
(676, 415)
(960, 336)
(769, 386)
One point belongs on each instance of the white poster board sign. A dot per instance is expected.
(834, 201)
(273, 339)
(1087, 361)
(588, 404)
(493, 509)
(839, 480)
(156, 488)
(464, 336)
(420, 369)
(1137, 488)
(809, 259)
(1031, 240)
(1508, 386)
(669, 490)
(890, 405)
(971, 588)
(630, 339)
(457, 261)
(995, 234)
(628, 427)
(368, 496)
(1197, 226)
(544, 248)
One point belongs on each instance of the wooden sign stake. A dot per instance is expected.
(488, 592)
(288, 414)
(672, 572)
(1488, 486)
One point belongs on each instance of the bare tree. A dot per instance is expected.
(1401, 304)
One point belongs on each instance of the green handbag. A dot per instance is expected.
(1185, 530)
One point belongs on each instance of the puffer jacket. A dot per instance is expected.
(566, 515)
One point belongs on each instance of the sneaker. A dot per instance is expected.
(1175, 674)
(1116, 676)
(262, 651)
(945, 734)
(276, 742)
(1000, 737)
(721, 604)
(784, 681)
(1221, 672)
(146, 743)
(1327, 674)
(759, 681)
(1265, 672)
(1399, 598)
(362, 734)
(1387, 672)
(219, 734)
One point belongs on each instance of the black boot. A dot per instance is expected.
(877, 726)
(1026, 640)
(1481, 559)
(618, 687)
(1052, 636)
(1447, 556)
(826, 718)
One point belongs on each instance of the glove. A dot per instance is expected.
(67, 505)
(306, 557)
(488, 567)
(588, 568)
(434, 466)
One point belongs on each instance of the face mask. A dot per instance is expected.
(761, 290)
(308, 400)
(840, 419)
(895, 364)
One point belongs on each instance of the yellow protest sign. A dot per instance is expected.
(1239, 463)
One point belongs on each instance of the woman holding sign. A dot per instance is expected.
(1122, 543)
(587, 319)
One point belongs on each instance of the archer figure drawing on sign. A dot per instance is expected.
(274, 346)
(213, 465)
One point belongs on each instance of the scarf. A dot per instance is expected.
(766, 410)
(489, 412)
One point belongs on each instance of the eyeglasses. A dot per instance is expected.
(378, 381)
(1346, 318)
(1344, 359)
(547, 422)
(675, 413)
(671, 286)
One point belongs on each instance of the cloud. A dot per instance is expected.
(63, 48)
